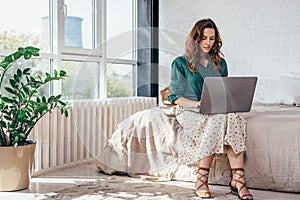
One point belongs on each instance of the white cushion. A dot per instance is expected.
(281, 90)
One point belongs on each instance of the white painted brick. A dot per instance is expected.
(295, 38)
(259, 37)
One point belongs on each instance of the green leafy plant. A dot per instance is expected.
(21, 104)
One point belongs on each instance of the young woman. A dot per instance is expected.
(156, 141)
(207, 135)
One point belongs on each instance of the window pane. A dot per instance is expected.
(82, 81)
(119, 29)
(41, 66)
(22, 24)
(119, 80)
(78, 24)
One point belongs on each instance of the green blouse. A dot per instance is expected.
(186, 84)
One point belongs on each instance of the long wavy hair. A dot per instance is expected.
(192, 47)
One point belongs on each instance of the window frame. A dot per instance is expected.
(99, 53)
(95, 51)
(58, 52)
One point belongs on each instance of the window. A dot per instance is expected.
(93, 40)
(83, 80)
(120, 46)
(120, 35)
(78, 24)
(119, 80)
(19, 28)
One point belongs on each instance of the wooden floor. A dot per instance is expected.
(84, 182)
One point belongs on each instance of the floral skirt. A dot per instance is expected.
(204, 135)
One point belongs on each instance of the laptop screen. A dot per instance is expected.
(227, 94)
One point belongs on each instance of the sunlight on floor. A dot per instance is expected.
(83, 182)
(62, 180)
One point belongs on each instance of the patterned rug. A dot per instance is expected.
(123, 187)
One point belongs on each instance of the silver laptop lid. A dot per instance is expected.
(227, 94)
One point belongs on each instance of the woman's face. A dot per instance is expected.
(208, 39)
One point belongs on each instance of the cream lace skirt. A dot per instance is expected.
(204, 135)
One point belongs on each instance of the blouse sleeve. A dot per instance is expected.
(223, 70)
(178, 81)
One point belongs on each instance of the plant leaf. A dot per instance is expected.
(8, 100)
(32, 79)
(55, 73)
(41, 108)
(13, 83)
(4, 64)
(7, 117)
(33, 50)
(21, 50)
(57, 97)
(17, 55)
(26, 90)
(62, 73)
(62, 103)
(22, 135)
(19, 72)
(26, 71)
(3, 124)
(27, 55)
(8, 89)
(21, 114)
(9, 58)
(17, 78)
(66, 113)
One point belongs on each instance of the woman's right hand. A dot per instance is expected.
(184, 102)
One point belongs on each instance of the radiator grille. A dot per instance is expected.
(62, 141)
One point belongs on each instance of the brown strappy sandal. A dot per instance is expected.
(234, 188)
(202, 180)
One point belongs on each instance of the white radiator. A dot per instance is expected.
(62, 141)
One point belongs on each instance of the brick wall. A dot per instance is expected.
(260, 37)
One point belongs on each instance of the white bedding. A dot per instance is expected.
(271, 161)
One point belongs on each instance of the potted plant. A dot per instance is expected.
(21, 106)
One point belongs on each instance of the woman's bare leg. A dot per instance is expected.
(206, 162)
(237, 162)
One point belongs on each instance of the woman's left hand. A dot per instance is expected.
(197, 104)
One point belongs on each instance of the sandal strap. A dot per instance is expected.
(241, 176)
(234, 170)
(199, 179)
(197, 171)
(243, 184)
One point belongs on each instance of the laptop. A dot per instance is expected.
(227, 94)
